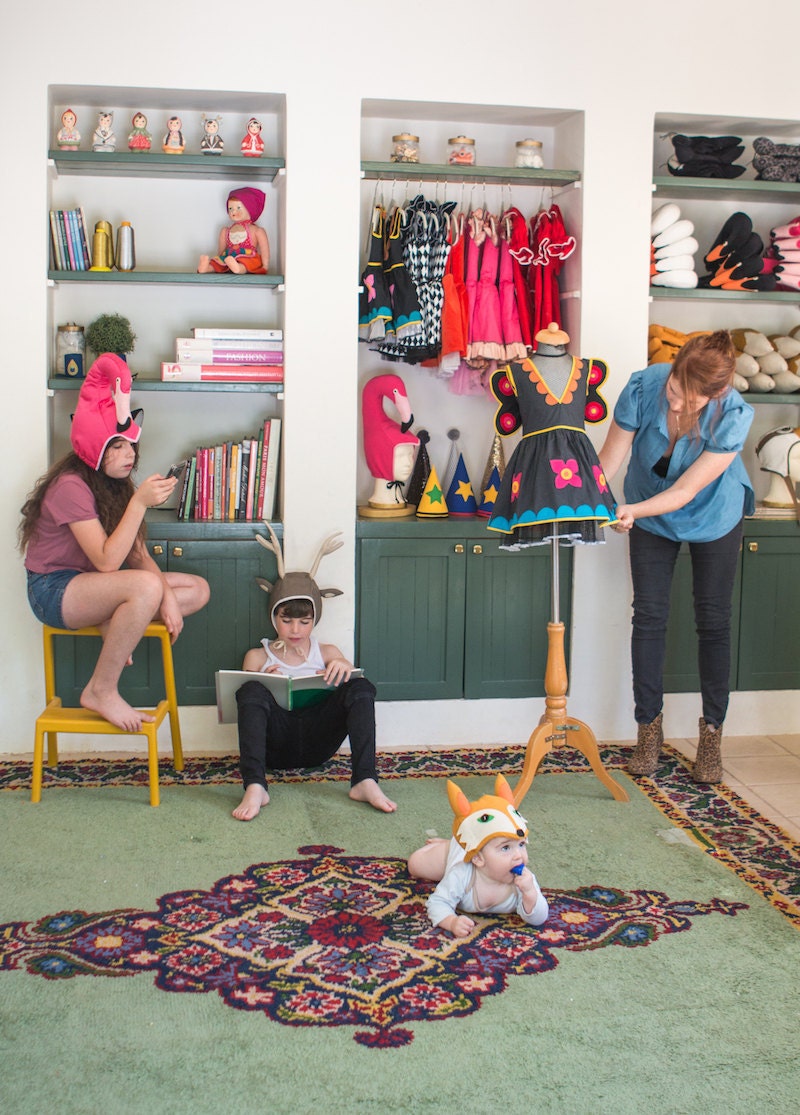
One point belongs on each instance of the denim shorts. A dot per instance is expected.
(46, 595)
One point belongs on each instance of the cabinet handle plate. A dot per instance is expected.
(458, 548)
(477, 548)
(177, 551)
(158, 550)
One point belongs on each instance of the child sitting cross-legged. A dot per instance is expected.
(483, 868)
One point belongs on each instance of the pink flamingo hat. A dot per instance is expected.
(382, 433)
(104, 409)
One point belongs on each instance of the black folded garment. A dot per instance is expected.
(706, 156)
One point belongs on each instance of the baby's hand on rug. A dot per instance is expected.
(459, 925)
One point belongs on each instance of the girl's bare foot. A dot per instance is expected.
(255, 796)
(115, 709)
(369, 791)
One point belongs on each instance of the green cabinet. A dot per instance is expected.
(765, 644)
(443, 613)
(217, 637)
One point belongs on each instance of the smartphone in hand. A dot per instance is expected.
(175, 470)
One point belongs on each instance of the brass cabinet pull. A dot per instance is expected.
(458, 549)
(752, 547)
(158, 550)
(177, 551)
(477, 549)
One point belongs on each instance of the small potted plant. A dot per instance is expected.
(110, 333)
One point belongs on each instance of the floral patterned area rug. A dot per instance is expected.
(716, 817)
(336, 940)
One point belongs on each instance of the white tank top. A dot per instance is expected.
(314, 664)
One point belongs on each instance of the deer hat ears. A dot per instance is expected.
(477, 822)
(296, 585)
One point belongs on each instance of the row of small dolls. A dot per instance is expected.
(68, 138)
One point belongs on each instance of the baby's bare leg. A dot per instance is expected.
(429, 861)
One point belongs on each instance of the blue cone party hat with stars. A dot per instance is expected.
(460, 497)
(489, 493)
(433, 504)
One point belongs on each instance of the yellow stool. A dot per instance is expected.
(56, 718)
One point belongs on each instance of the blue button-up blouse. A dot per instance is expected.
(723, 427)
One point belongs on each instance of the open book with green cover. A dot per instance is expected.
(290, 693)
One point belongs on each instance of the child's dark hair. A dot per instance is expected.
(295, 608)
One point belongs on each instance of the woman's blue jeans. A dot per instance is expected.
(714, 567)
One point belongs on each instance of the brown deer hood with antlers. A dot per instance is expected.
(296, 585)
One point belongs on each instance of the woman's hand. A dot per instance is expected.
(625, 518)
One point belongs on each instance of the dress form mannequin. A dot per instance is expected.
(553, 491)
(778, 453)
(389, 446)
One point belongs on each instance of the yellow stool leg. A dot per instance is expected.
(38, 760)
(172, 700)
(152, 762)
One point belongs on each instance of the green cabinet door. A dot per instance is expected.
(235, 618)
(411, 616)
(769, 644)
(508, 608)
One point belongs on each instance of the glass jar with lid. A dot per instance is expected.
(405, 148)
(70, 350)
(529, 154)
(461, 151)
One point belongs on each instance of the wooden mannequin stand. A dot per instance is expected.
(555, 725)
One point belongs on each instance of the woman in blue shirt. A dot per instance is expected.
(685, 426)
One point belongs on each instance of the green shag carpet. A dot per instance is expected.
(175, 960)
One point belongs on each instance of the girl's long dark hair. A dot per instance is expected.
(111, 496)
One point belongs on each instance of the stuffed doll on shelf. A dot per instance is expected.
(243, 245)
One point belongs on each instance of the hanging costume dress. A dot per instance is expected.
(553, 486)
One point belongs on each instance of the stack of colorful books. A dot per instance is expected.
(68, 240)
(233, 480)
(227, 356)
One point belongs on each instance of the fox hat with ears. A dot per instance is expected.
(477, 822)
(296, 585)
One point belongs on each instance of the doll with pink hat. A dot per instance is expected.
(83, 537)
(243, 245)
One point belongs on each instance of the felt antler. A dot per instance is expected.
(328, 546)
(274, 547)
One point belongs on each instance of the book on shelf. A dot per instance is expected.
(70, 249)
(227, 356)
(271, 478)
(201, 345)
(290, 693)
(232, 480)
(221, 373)
(214, 333)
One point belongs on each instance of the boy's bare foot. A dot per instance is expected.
(369, 791)
(255, 796)
(115, 709)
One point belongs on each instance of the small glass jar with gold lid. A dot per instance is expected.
(461, 151)
(529, 154)
(405, 148)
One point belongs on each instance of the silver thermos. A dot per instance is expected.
(126, 252)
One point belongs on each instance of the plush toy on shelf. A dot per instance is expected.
(212, 142)
(672, 248)
(243, 245)
(389, 446)
(104, 138)
(68, 137)
(252, 145)
(173, 142)
(139, 139)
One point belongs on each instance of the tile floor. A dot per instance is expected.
(765, 771)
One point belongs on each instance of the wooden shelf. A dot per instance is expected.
(698, 294)
(64, 383)
(155, 164)
(181, 277)
(736, 189)
(431, 172)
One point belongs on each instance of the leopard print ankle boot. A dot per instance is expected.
(708, 764)
(644, 758)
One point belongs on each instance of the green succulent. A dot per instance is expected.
(110, 333)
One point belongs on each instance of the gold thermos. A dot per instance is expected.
(102, 247)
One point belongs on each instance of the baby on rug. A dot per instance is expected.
(483, 868)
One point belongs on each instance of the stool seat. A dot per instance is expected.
(56, 718)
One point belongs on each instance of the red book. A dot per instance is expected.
(222, 373)
(262, 478)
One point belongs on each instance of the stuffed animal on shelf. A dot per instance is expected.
(212, 142)
(252, 145)
(173, 142)
(389, 447)
(243, 245)
(139, 139)
(68, 137)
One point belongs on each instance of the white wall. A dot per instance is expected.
(619, 62)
